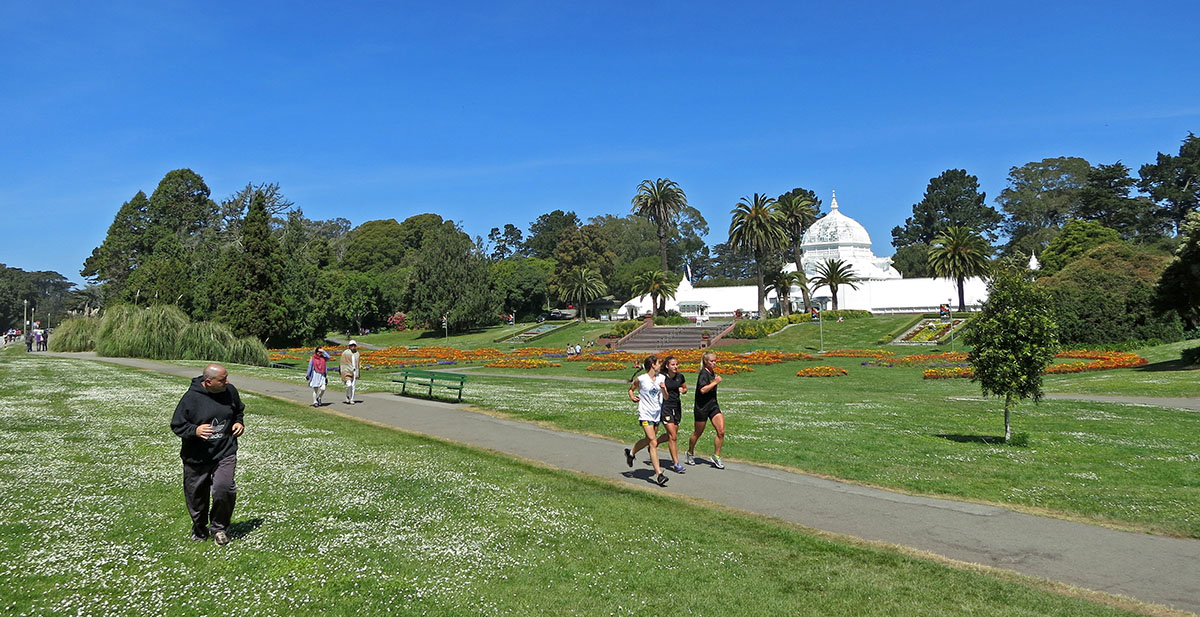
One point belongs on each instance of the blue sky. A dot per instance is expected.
(494, 112)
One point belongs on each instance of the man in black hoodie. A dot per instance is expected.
(209, 420)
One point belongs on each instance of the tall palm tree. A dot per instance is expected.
(959, 253)
(583, 284)
(799, 212)
(781, 283)
(660, 201)
(834, 273)
(758, 228)
(659, 285)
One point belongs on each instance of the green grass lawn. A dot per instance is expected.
(574, 332)
(337, 517)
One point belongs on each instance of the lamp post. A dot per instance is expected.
(25, 318)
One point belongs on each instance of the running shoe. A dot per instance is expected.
(661, 479)
(677, 468)
(628, 457)
(221, 538)
(690, 459)
(717, 462)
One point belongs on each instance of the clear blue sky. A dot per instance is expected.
(494, 112)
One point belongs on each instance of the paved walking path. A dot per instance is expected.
(1155, 401)
(1148, 568)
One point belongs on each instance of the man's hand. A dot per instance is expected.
(204, 431)
(238, 429)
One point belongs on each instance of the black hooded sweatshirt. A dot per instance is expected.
(199, 406)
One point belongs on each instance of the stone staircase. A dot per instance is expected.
(667, 337)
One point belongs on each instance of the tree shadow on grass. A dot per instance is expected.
(242, 529)
(1167, 365)
(973, 438)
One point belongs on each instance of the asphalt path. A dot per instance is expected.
(1148, 568)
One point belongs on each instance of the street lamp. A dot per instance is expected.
(25, 316)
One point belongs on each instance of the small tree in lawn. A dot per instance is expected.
(1013, 339)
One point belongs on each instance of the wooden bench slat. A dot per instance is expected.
(430, 379)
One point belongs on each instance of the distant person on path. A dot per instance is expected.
(647, 391)
(28, 341)
(349, 370)
(707, 409)
(45, 344)
(316, 375)
(675, 384)
(209, 420)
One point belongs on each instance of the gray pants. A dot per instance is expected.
(199, 481)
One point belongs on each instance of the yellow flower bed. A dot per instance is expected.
(607, 366)
(822, 371)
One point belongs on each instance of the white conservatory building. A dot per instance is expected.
(834, 236)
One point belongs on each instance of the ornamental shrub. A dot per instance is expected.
(113, 337)
(248, 350)
(396, 321)
(621, 328)
(75, 334)
(205, 340)
(672, 320)
(844, 314)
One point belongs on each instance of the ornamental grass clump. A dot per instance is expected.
(114, 338)
(75, 334)
(249, 350)
(154, 332)
(205, 340)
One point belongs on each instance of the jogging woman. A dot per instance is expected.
(316, 375)
(647, 391)
(675, 384)
(707, 409)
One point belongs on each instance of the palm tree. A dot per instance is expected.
(583, 284)
(959, 253)
(758, 228)
(834, 273)
(781, 283)
(799, 212)
(660, 201)
(659, 285)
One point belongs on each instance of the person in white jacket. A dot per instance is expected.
(349, 370)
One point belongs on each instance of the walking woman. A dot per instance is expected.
(674, 384)
(707, 409)
(317, 374)
(647, 391)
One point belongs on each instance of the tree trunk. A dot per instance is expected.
(662, 247)
(833, 292)
(583, 308)
(803, 289)
(1007, 426)
(962, 303)
(762, 296)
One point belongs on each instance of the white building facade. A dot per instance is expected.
(880, 288)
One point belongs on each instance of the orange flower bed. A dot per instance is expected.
(607, 366)
(523, 363)
(615, 356)
(1101, 361)
(822, 371)
(927, 358)
(858, 353)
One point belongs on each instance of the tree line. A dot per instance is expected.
(254, 262)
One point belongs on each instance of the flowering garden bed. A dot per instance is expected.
(822, 371)
(1100, 361)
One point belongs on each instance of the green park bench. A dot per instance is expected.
(430, 380)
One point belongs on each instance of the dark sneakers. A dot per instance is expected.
(221, 538)
(661, 479)
(628, 457)
(199, 538)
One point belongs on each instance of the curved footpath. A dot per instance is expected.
(1148, 568)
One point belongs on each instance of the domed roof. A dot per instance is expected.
(835, 229)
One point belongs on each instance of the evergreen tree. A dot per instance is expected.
(250, 292)
(951, 199)
(114, 260)
(1179, 287)
(1174, 181)
(1040, 197)
(449, 277)
(1105, 199)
